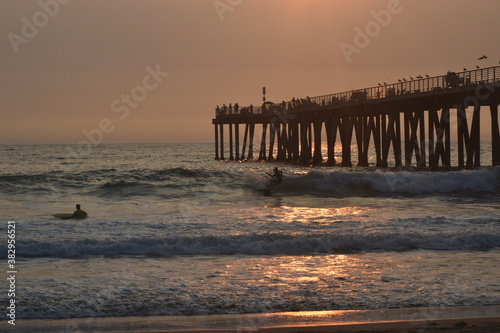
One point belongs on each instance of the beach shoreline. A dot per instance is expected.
(482, 319)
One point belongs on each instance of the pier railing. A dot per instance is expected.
(407, 87)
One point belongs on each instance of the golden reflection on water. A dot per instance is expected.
(308, 214)
(325, 271)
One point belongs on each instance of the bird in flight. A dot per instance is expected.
(483, 57)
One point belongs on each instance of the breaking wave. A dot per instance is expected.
(258, 244)
(342, 183)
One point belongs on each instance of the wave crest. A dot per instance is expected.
(257, 244)
(347, 183)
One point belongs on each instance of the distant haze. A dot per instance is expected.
(154, 70)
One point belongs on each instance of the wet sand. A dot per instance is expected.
(485, 319)
(462, 325)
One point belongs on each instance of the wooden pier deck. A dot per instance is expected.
(406, 123)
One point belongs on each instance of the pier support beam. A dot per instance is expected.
(331, 135)
(221, 128)
(262, 153)
(282, 144)
(371, 127)
(250, 145)
(305, 148)
(414, 126)
(391, 133)
(317, 157)
(272, 138)
(290, 142)
(231, 145)
(441, 147)
(474, 149)
(346, 128)
(495, 135)
(358, 123)
(216, 142)
(462, 135)
(245, 139)
(237, 140)
(468, 140)
(378, 140)
(294, 141)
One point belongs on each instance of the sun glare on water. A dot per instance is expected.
(319, 215)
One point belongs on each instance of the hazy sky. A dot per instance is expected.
(154, 70)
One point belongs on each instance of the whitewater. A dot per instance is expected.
(173, 232)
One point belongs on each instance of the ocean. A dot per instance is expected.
(172, 232)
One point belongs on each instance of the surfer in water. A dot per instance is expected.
(276, 178)
(79, 214)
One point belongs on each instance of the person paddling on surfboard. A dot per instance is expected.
(79, 214)
(276, 178)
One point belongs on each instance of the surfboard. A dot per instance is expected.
(63, 216)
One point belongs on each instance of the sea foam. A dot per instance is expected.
(362, 182)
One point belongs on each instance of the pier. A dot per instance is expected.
(408, 124)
